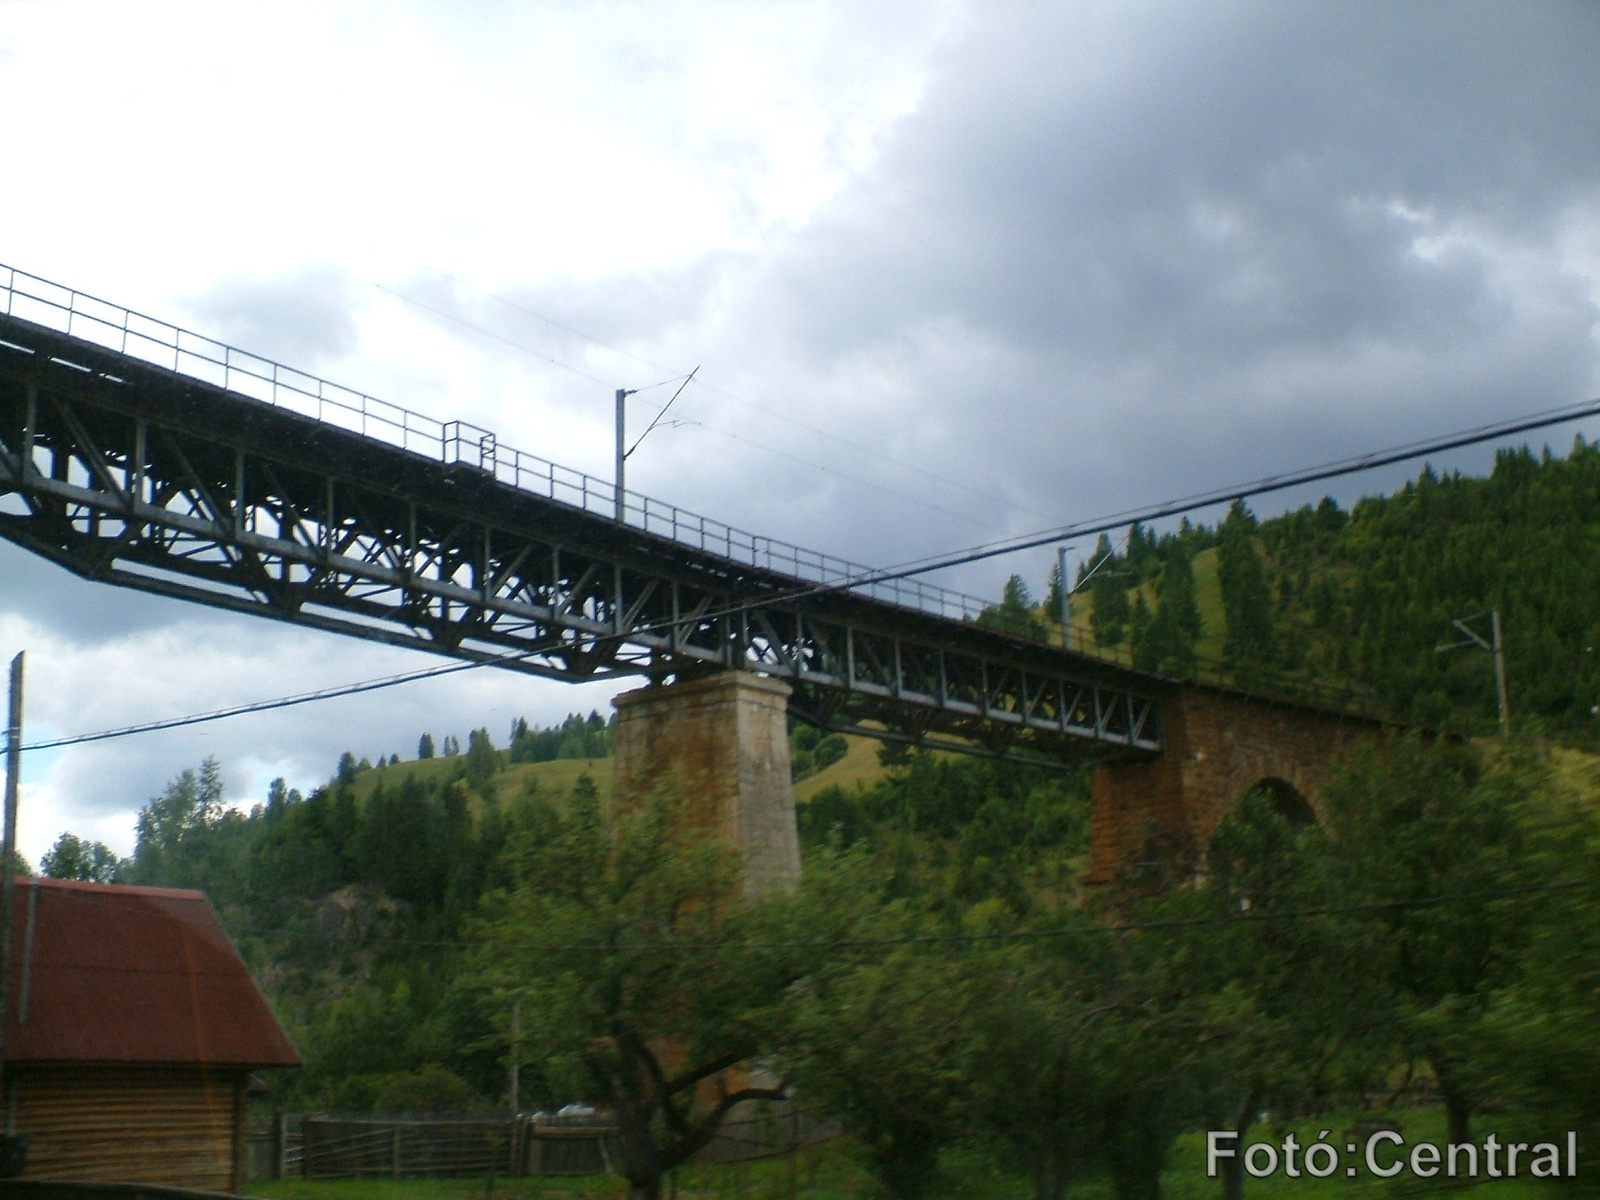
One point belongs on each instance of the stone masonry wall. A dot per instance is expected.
(1219, 744)
(721, 746)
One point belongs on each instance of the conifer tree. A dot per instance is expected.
(1248, 646)
(1052, 599)
(1014, 614)
(1167, 641)
(1108, 617)
(1139, 621)
(482, 758)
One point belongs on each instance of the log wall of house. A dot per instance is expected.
(122, 1124)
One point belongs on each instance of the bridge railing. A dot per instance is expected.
(183, 352)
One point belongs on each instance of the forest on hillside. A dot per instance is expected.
(1351, 606)
(942, 979)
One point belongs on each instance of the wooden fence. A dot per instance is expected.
(312, 1146)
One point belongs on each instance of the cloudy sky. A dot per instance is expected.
(949, 271)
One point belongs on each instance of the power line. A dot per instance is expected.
(350, 689)
(1069, 532)
(478, 329)
(1271, 483)
(515, 345)
(721, 391)
(846, 476)
(687, 380)
(1064, 533)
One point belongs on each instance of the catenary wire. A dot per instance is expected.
(518, 346)
(351, 689)
(1272, 483)
(711, 387)
(1065, 533)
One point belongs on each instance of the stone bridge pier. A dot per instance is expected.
(721, 745)
(1219, 745)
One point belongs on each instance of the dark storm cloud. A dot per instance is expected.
(1238, 177)
(1116, 255)
(1188, 246)
(304, 320)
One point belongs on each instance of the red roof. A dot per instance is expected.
(135, 975)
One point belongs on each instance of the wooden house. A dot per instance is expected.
(132, 1029)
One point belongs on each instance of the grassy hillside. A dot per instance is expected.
(859, 766)
(513, 780)
(510, 783)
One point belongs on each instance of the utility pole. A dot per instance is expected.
(516, 1055)
(1495, 644)
(1066, 602)
(622, 449)
(8, 851)
(1500, 673)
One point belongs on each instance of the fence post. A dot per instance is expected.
(278, 1147)
(394, 1150)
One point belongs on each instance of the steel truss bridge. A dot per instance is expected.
(136, 453)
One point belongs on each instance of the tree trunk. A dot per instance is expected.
(1049, 1175)
(641, 1164)
(1135, 1160)
(1458, 1110)
(1233, 1168)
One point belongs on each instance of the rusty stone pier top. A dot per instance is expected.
(721, 745)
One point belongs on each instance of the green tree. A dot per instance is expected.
(483, 760)
(878, 1044)
(1053, 592)
(1027, 1059)
(1108, 591)
(629, 948)
(74, 858)
(1433, 838)
(425, 746)
(1246, 601)
(187, 836)
(1081, 1047)
(1291, 1008)
(1539, 1045)
(1140, 556)
(1015, 613)
(1166, 641)
(1139, 644)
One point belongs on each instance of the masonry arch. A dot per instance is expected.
(1219, 743)
(1287, 800)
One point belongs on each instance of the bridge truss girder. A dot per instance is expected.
(128, 474)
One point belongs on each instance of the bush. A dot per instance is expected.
(830, 750)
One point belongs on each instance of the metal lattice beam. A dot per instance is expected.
(146, 477)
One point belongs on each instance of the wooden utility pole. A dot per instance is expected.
(8, 851)
(513, 1084)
